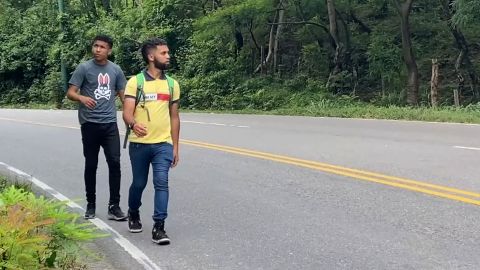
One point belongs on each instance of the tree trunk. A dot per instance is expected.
(271, 41)
(333, 29)
(341, 55)
(463, 46)
(346, 59)
(238, 42)
(383, 86)
(460, 79)
(265, 60)
(408, 56)
(434, 84)
(281, 13)
(456, 98)
(332, 19)
(254, 40)
(262, 58)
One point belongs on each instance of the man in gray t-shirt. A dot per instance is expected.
(101, 83)
(95, 85)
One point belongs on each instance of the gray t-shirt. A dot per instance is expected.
(100, 82)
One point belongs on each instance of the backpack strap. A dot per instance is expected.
(140, 93)
(171, 85)
(140, 82)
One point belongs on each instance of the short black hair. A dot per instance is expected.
(104, 38)
(151, 44)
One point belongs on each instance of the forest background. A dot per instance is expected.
(400, 59)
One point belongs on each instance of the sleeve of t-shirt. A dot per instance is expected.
(176, 91)
(121, 80)
(131, 87)
(78, 76)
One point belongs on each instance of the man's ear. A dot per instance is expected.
(110, 52)
(151, 57)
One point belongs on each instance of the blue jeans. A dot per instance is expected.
(160, 155)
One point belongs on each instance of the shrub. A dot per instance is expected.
(37, 233)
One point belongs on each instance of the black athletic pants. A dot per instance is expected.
(105, 135)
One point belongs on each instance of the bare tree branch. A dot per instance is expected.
(252, 35)
(304, 22)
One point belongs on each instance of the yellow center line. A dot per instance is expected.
(404, 183)
(343, 169)
(418, 186)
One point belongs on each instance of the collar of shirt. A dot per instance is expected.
(148, 77)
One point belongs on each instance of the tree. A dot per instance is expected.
(464, 56)
(403, 9)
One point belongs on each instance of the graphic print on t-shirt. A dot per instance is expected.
(103, 88)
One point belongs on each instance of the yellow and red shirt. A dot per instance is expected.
(157, 101)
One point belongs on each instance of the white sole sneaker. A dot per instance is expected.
(163, 241)
(112, 217)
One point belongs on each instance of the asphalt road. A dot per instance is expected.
(272, 192)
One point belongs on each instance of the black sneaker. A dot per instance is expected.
(90, 212)
(158, 234)
(134, 223)
(115, 213)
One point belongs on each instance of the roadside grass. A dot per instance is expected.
(66, 105)
(346, 108)
(32, 106)
(470, 115)
(39, 233)
(332, 108)
(444, 114)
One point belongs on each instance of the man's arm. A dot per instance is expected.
(75, 82)
(175, 132)
(121, 95)
(72, 94)
(128, 116)
(121, 83)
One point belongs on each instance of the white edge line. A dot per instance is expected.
(213, 124)
(134, 251)
(401, 120)
(37, 123)
(465, 147)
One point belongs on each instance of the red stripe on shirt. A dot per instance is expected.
(164, 97)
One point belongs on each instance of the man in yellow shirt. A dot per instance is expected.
(152, 114)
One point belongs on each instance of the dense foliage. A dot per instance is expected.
(39, 233)
(254, 54)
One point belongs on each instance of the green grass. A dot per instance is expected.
(444, 114)
(33, 106)
(66, 105)
(349, 109)
(4, 183)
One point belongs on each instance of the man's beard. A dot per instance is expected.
(160, 65)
